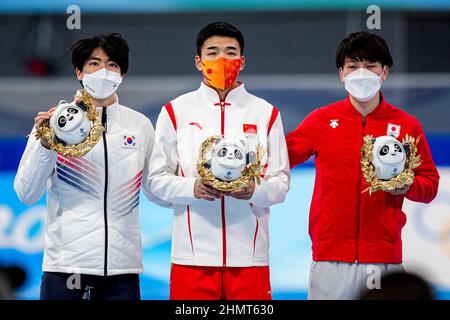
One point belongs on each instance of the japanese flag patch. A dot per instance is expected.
(393, 130)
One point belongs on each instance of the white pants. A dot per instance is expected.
(332, 280)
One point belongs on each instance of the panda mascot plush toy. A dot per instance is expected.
(228, 159)
(388, 157)
(70, 123)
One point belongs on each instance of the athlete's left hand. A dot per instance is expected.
(244, 193)
(398, 191)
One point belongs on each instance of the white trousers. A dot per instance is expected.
(332, 280)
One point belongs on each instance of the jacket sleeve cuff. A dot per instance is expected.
(258, 193)
(191, 185)
(44, 153)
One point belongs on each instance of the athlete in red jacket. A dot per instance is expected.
(354, 234)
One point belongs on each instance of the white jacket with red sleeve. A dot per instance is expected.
(227, 231)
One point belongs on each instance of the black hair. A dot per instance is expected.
(219, 28)
(113, 44)
(363, 46)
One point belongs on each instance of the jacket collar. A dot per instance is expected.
(351, 110)
(111, 108)
(212, 98)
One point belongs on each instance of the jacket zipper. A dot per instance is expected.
(222, 200)
(358, 214)
(105, 149)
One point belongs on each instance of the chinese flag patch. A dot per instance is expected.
(250, 128)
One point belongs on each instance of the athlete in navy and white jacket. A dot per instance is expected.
(92, 225)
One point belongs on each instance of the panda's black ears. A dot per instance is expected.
(406, 146)
(207, 164)
(60, 141)
(373, 140)
(62, 101)
(81, 105)
(251, 157)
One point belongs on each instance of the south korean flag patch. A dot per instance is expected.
(129, 141)
(393, 130)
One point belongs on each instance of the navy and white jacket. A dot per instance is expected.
(92, 224)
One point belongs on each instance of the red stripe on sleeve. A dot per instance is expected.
(169, 110)
(273, 117)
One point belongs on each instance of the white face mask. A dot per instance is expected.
(362, 84)
(102, 83)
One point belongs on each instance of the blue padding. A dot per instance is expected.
(11, 150)
(440, 149)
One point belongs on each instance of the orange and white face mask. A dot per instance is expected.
(221, 73)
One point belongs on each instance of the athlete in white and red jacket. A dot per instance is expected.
(355, 234)
(220, 247)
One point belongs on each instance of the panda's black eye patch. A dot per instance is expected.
(222, 152)
(238, 154)
(61, 121)
(397, 148)
(384, 151)
(72, 110)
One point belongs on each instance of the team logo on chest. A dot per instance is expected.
(334, 123)
(129, 141)
(393, 130)
(196, 124)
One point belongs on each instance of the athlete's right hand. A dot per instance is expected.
(204, 190)
(40, 117)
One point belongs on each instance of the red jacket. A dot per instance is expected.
(344, 223)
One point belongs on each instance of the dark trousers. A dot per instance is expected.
(68, 286)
